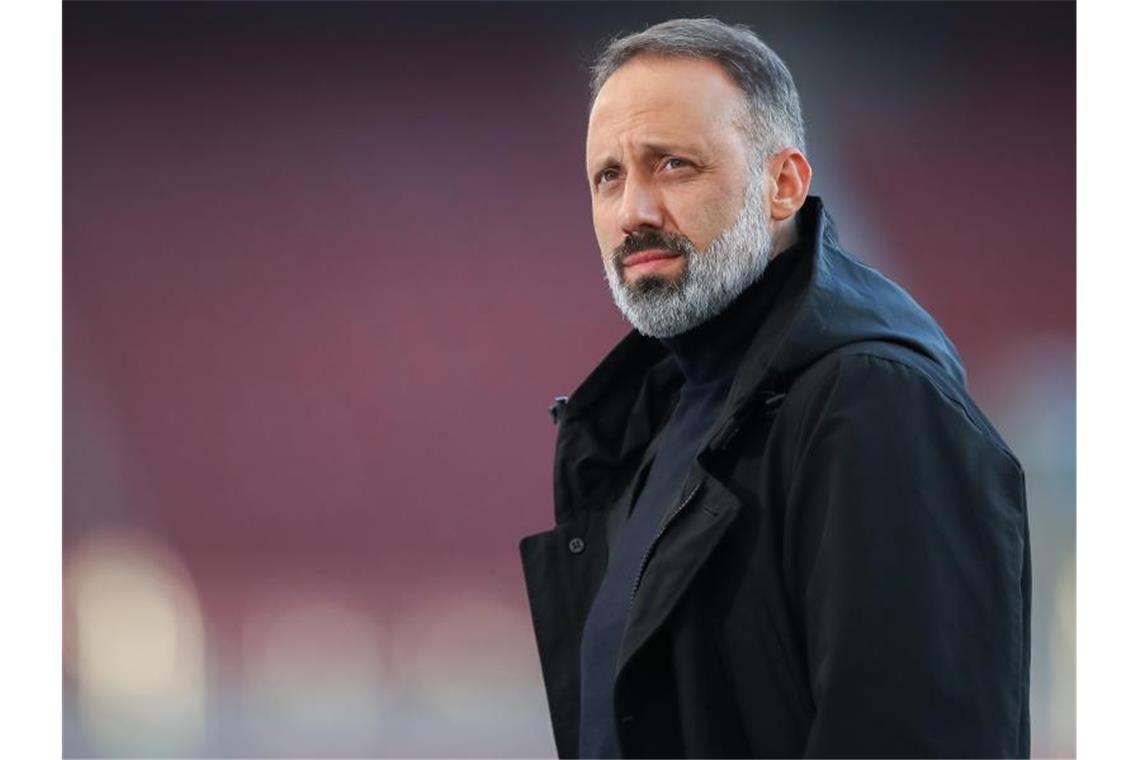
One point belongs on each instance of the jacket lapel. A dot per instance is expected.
(563, 568)
(678, 556)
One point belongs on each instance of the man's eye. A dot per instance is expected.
(607, 175)
(675, 163)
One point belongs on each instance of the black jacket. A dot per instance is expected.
(846, 570)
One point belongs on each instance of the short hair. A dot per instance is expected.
(773, 105)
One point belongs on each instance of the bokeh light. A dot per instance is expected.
(137, 650)
(466, 654)
(315, 678)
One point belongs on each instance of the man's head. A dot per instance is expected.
(694, 154)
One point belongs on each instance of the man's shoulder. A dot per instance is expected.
(885, 388)
(876, 362)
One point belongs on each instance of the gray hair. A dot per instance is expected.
(774, 122)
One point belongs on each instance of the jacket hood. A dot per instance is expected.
(829, 300)
(834, 300)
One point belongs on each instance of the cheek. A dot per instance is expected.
(606, 232)
(702, 217)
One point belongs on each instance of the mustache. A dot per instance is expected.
(650, 240)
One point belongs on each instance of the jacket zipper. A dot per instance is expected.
(652, 544)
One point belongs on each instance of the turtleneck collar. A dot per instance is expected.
(711, 352)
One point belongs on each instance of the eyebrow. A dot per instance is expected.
(651, 148)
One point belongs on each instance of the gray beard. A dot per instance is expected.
(711, 280)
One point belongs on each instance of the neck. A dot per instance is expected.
(785, 234)
(711, 350)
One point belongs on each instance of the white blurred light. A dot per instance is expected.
(1063, 657)
(314, 677)
(137, 649)
(470, 655)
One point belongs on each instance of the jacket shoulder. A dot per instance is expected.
(887, 384)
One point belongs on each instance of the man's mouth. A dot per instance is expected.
(646, 257)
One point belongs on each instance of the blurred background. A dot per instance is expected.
(325, 266)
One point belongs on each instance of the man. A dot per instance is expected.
(782, 526)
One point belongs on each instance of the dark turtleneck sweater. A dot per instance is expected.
(707, 357)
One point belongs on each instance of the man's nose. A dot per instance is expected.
(640, 206)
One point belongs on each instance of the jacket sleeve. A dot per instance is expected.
(907, 540)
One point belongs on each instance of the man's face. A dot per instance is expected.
(678, 211)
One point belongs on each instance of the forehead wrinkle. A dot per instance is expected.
(660, 91)
(645, 139)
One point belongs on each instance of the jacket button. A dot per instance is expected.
(577, 545)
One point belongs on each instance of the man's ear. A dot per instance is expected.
(790, 175)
